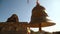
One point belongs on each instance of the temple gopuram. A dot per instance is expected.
(38, 19)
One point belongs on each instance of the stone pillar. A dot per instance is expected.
(40, 30)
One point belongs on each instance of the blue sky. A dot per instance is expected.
(24, 9)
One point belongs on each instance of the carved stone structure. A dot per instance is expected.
(38, 14)
(13, 18)
(13, 26)
(38, 19)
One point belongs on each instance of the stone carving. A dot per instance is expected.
(13, 25)
(13, 18)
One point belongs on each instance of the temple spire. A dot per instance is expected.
(37, 2)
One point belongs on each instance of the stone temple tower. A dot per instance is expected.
(38, 14)
(38, 17)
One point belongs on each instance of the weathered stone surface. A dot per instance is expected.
(12, 25)
(39, 14)
(13, 18)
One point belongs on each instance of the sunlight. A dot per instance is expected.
(35, 29)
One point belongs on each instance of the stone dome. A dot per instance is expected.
(39, 9)
(13, 18)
